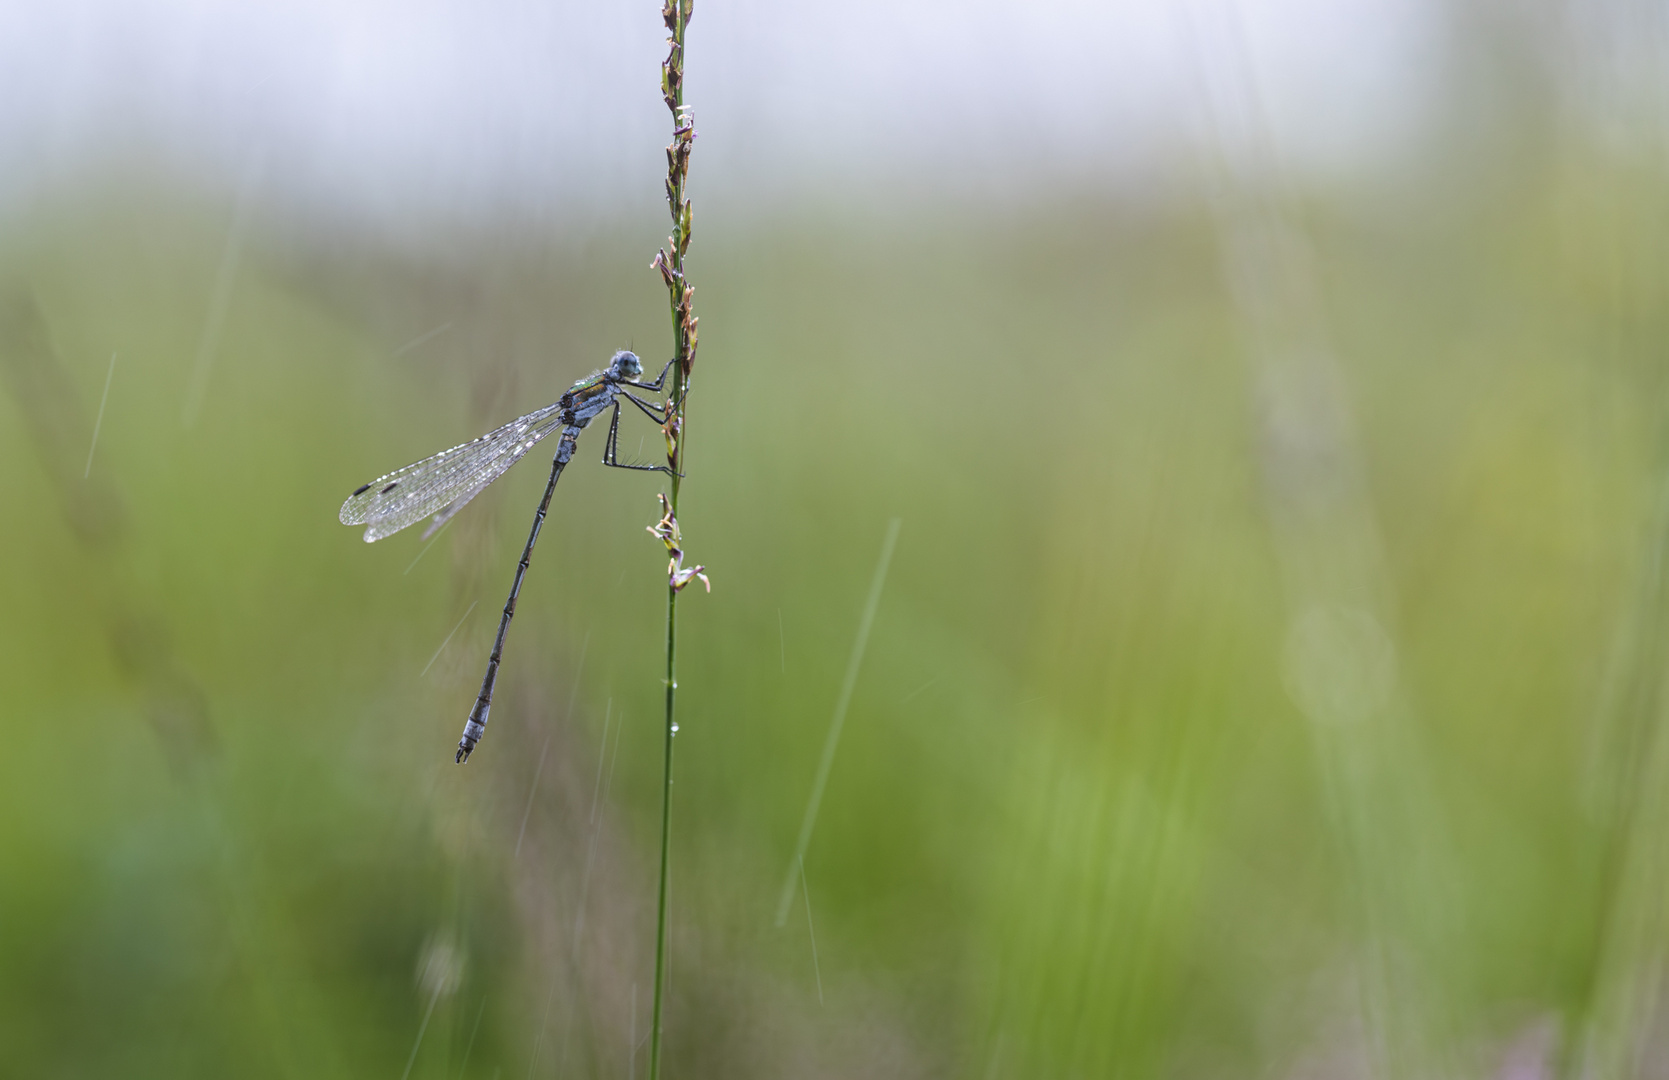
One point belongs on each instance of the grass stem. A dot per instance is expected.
(670, 262)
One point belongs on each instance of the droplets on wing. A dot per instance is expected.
(442, 484)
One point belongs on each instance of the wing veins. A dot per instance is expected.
(444, 482)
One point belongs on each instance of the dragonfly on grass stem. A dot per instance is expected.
(441, 485)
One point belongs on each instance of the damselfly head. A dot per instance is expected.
(625, 365)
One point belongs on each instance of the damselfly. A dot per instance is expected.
(441, 485)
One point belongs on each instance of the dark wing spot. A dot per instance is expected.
(362, 489)
(387, 489)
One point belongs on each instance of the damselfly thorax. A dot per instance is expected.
(438, 487)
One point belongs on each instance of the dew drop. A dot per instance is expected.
(675, 727)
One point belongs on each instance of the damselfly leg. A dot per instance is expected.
(655, 387)
(611, 448)
(657, 413)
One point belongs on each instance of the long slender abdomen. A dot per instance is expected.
(476, 726)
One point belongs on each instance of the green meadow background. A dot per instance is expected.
(1087, 817)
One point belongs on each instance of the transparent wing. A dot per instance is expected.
(501, 465)
(442, 484)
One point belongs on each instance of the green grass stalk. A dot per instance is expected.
(670, 262)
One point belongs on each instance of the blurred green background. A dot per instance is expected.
(1267, 681)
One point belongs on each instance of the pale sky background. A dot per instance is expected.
(381, 106)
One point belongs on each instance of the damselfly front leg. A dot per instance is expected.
(660, 380)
